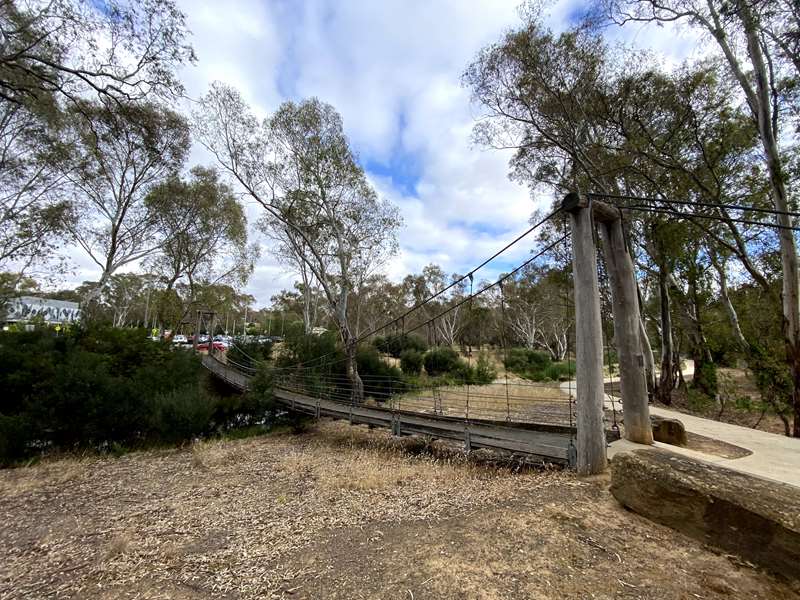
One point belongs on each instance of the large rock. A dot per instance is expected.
(755, 518)
(668, 431)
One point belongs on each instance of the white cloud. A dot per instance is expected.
(392, 69)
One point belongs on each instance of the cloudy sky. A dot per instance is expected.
(392, 68)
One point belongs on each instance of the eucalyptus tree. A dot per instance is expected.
(446, 312)
(373, 301)
(581, 117)
(684, 141)
(298, 166)
(522, 311)
(202, 233)
(56, 55)
(758, 42)
(545, 96)
(289, 247)
(121, 152)
(72, 49)
(32, 211)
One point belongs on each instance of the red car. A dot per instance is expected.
(218, 346)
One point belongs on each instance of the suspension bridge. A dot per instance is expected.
(415, 413)
(567, 426)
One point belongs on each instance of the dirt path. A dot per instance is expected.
(341, 512)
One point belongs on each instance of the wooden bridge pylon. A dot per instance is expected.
(591, 441)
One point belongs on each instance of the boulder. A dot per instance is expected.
(755, 518)
(668, 431)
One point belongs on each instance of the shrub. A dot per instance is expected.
(14, 436)
(521, 360)
(249, 355)
(560, 371)
(705, 378)
(380, 380)
(411, 361)
(534, 365)
(181, 414)
(774, 383)
(484, 370)
(395, 344)
(380, 344)
(441, 360)
(516, 360)
(698, 401)
(95, 387)
(480, 374)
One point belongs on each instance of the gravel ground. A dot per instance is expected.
(339, 512)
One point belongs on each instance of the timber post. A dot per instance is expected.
(590, 394)
(627, 324)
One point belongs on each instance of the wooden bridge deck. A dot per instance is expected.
(551, 443)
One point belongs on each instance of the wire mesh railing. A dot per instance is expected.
(511, 401)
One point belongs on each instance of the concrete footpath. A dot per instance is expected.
(773, 456)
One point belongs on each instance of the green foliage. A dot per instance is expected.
(697, 401)
(255, 408)
(101, 387)
(380, 379)
(559, 371)
(441, 360)
(537, 366)
(249, 355)
(329, 376)
(774, 382)
(411, 361)
(521, 360)
(301, 348)
(395, 344)
(484, 370)
(705, 378)
(180, 414)
(482, 373)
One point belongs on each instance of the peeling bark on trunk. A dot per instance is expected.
(733, 317)
(352, 372)
(761, 105)
(666, 382)
(704, 378)
(647, 350)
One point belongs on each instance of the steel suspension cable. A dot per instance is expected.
(770, 211)
(454, 283)
(693, 215)
(463, 301)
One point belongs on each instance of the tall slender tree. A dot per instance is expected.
(121, 152)
(299, 167)
(758, 41)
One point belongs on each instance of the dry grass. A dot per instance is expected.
(519, 400)
(339, 512)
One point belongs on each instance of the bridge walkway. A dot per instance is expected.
(550, 443)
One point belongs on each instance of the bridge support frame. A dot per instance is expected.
(591, 447)
(591, 438)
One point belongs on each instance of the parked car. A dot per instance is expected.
(218, 346)
(180, 339)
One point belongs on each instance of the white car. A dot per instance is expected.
(180, 339)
